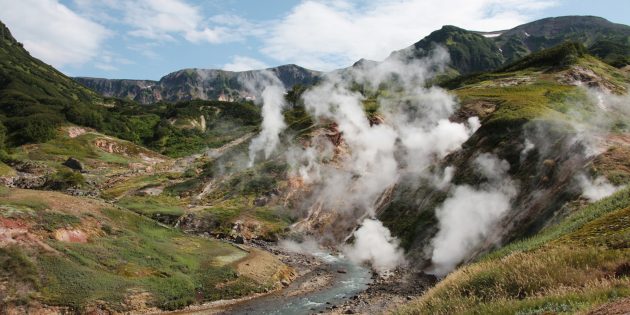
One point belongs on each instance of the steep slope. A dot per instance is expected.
(33, 95)
(577, 266)
(202, 84)
(36, 99)
(469, 51)
(473, 51)
(532, 100)
(78, 203)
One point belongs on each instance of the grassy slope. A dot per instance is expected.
(125, 253)
(36, 99)
(574, 265)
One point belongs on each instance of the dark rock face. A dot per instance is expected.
(74, 164)
(203, 84)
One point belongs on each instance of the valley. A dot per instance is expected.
(465, 174)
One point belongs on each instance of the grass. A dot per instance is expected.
(138, 255)
(619, 200)
(58, 149)
(153, 205)
(128, 253)
(520, 102)
(275, 220)
(6, 170)
(51, 220)
(17, 270)
(572, 266)
(134, 183)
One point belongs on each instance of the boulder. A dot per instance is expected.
(74, 164)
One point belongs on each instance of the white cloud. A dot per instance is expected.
(160, 19)
(242, 63)
(52, 32)
(109, 61)
(325, 35)
(167, 20)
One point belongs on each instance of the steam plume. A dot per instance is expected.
(466, 217)
(374, 243)
(409, 133)
(596, 189)
(267, 88)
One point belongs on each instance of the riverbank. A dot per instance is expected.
(324, 284)
(383, 294)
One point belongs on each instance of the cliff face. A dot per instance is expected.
(203, 84)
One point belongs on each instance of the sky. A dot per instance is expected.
(147, 39)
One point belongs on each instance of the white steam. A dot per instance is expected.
(410, 134)
(596, 189)
(374, 244)
(268, 88)
(307, 246)
(609, 109)
(528, 146)
(469, 214)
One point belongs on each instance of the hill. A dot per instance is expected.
(81, 227)
(531, 262)
(200, 84)
(473, 51)
(127, 207)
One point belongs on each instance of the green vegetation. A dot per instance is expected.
(153, 206)
(140, 255)
(130, 254)
(469, 51)
(179, 132)
(572, 223)
(64, 179)
(572, 266)
(19, 274)
(134, 183)
(615, 53)
(559, 56)
(36, 99)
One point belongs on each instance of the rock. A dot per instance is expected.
(261, 201)
(27, 181)
(349, 311)
(342, 271)
(239, 240)
(74, 164)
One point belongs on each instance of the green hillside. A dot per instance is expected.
(473, 51)
(564, 256)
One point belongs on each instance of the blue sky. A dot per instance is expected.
(146, 39)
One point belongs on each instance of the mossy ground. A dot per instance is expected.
(125, 253)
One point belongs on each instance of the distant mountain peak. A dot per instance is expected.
(196, 83)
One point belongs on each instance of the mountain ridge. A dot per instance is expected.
(475, 51)
(197, 83)
(470, 51)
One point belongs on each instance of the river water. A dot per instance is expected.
(342, 287)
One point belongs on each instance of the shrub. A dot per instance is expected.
(64, 179)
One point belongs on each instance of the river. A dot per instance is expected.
(347, 280)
